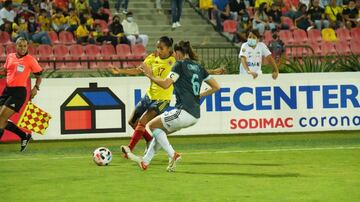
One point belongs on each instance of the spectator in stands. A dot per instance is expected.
(351, 15)
(7, 15)
(237, 8)
(43, 20)
(158, 6)
(45, 5)
(221, 12)
(117, 30)
(302, 20)
(62, 4)
(176, 10)
(259, 2)
(90, 23)
(20, 29)
(324, 3)
(25, 11)
(290, 8)
(317, 15)
(121, 4)
(261, 20)
(36, 35)
(275, 16)
(82, 6)
(131, 31)
(334, 15)
(101, 37)
(243, 28)
(97, 10)
(59, 22)
(72, 20)
(357, 5)
(82, 33)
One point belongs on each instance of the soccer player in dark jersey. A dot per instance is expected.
(186, 77)
(18, 67)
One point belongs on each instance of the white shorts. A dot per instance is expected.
(177, 119)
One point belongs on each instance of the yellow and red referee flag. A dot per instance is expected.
(34, 119)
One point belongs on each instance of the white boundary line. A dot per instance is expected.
(58, 157)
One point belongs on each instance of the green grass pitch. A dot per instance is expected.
(321, 166)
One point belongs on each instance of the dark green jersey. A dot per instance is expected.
(188, 77)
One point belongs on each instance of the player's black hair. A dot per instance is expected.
(185, 48)
(168, 41)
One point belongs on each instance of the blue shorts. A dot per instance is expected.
(159, 106)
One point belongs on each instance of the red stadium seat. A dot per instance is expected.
(5, 38)
(10, 48)
(286, 36)
(355, 33)
(138, 52)
(314, 35)
(230, 26)
(355, 47)
(316, 47)
(250, 11)
(342, 48)
(123, 51)
(76, 52)
(343, 34)
(289, 22)
(300, 36)
(92, 52)
(32, 49)
(108, 52)
(54, 37)
(327, 48)
(45, 52)
(66, 37)
(61, 52)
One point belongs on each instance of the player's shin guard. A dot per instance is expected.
(10, 126)
(147, 136)
(162, 139)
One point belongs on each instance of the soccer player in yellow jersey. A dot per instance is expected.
(156, 99)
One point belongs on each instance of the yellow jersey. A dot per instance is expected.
(160, 69)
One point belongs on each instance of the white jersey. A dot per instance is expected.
(253, 56)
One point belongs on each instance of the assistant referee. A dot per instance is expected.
(18, 67)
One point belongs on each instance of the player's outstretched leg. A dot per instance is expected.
(133, 157)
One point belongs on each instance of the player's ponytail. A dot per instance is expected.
(185, 48)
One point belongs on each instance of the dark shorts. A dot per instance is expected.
(13, 97)
(146, 104)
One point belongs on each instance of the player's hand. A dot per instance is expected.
(33, 93)
(275, 74)
(253, 74)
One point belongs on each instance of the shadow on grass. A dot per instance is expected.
(262, 175)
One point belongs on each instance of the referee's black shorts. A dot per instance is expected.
(13, 97)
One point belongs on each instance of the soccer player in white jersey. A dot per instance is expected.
(251, 54)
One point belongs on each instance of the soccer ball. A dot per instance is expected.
(102, 156)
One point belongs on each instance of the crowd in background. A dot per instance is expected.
(272, 14)
(90, 21)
